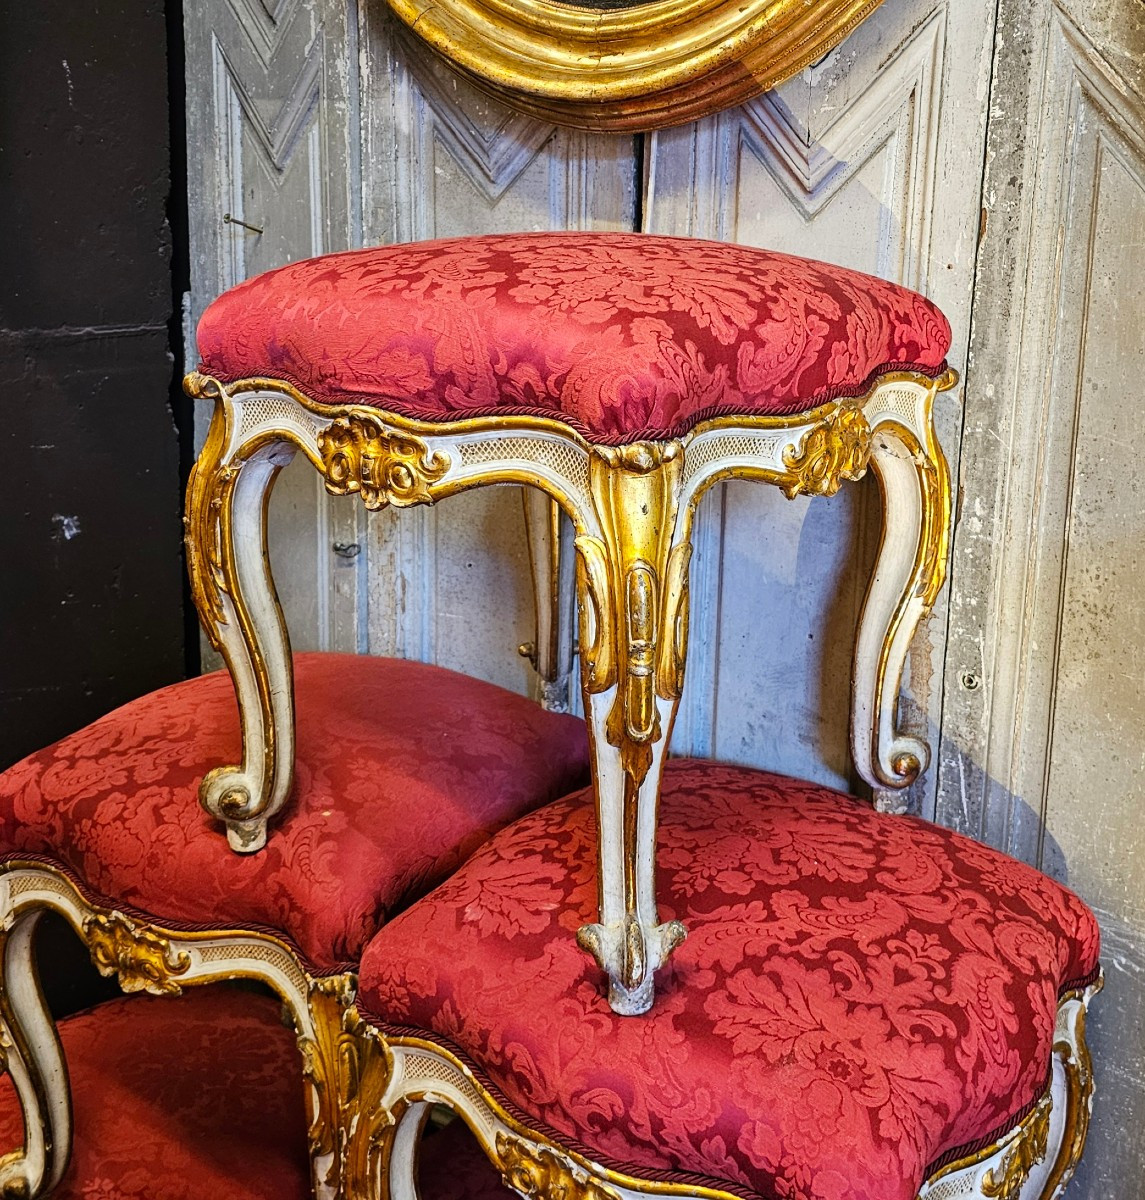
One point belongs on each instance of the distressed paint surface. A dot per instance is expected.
(1044, 755)
(872, 158)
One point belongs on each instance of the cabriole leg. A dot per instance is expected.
(234, 593)
(915, 484)
(403, 1150)
(33, 1057)
(1071, 1057)
(348, 1067)
(551, 559)
(632, 585)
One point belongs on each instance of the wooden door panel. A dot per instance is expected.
(272, 93)
(450, 584)
(1044, 714)
(867, 160)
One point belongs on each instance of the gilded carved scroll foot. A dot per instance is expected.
(233, 590)
(630, 953)
(229, 790)
(31, 1055)
(914, 481)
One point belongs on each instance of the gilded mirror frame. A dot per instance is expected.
(632, 66)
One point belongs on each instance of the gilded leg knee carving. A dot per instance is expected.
(915, 484)
(234, 593)
(31, 1053)
(632, 587)
(348, 1068)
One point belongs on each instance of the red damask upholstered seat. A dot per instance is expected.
(180, 1100)
(621, 336)
(201, 1098)
(861, 998)
(403, 770)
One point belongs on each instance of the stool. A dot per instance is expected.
(403, 770)
(867, 1007)
(620, 374)
(212, 1109)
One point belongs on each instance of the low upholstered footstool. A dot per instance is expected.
(867, 1007)
(403, 770)
(621, 375)
(197, 1099)
(190, 1099)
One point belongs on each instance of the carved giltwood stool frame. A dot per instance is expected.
(369, 1096)
(631, 507)
(1032, 1161)
(147, 957)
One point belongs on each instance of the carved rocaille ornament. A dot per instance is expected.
(1029, 1148)
(635, 619)
(838, 448)
(142, 960)
(348, 1065)
(541, 1174)
(361, 454)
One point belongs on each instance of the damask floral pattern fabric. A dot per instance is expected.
(622, 336)
(186, 1099)
(858, 994)
(402, 771)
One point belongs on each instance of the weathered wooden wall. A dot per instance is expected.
(987, 153)
(1043, 747)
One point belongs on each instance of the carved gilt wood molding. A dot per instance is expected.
(630, 66)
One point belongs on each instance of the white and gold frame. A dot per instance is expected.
(147, 957)
(631, 507)
(1032, 1161)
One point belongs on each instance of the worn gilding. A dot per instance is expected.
(644, 66)
(142, 960)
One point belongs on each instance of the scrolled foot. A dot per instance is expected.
(247, 837)
(226, 794)
(630, 953)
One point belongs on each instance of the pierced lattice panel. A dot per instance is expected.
(19, 884)
(902, 402)
(422, 1067)
(562, 459)
(265, 411)
(256, 952)
(731, 447)
(959, 1186)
